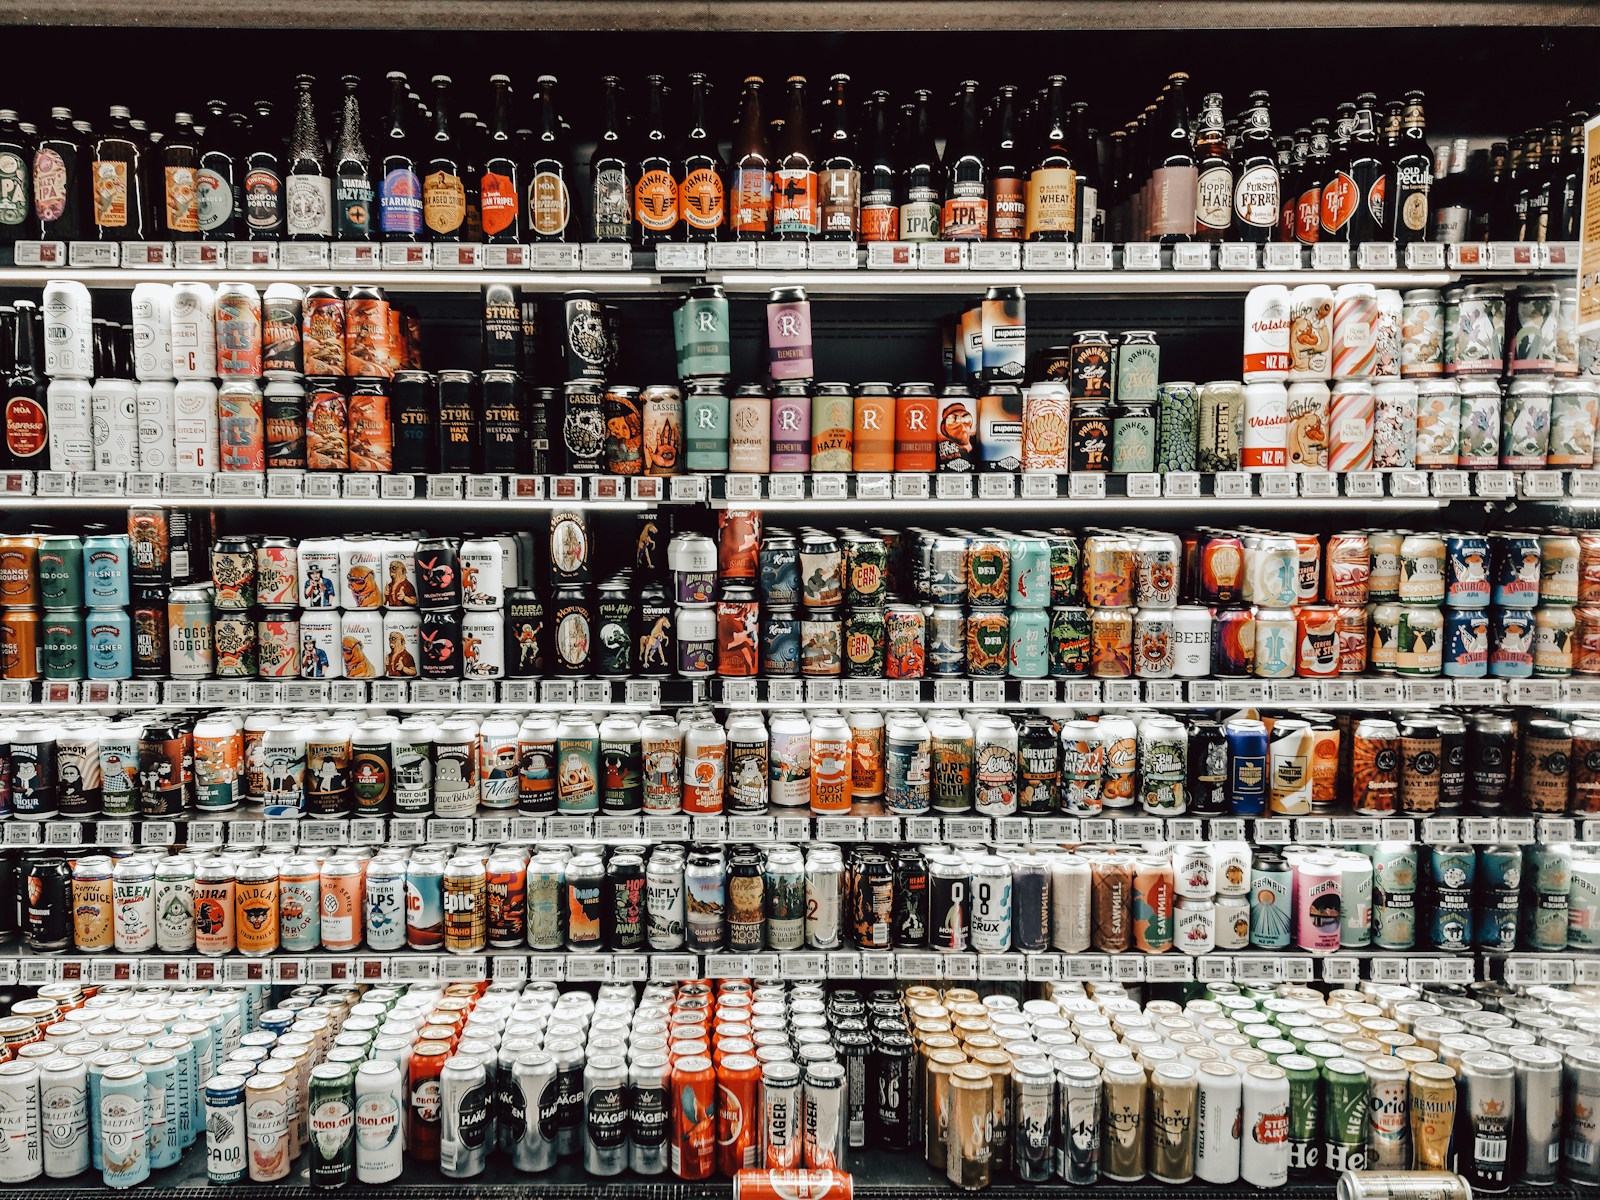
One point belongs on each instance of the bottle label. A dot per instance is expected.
(919, 215)
(1452, 224)
(308, 206)
(1339, 200)
(1008, 209)
(50, 182)
(400, 202)
(27, 427)
(1377, 195)
(841, 200)
(1093, 217)
(1052, 201)
(1414, 205)
(613, 216)
(216, 201)
(794, 201)
(444, 202)
(966, 213)
(1308, 215)
(752, 211)
(1214, 198)
(1255, 197)
(497, 201)
(111, 194)
(880, 218)
(1174, 201)
(655, 201)
(183, 201)
(549, 204)
(353, 197)
(702, 199)
(15, 194)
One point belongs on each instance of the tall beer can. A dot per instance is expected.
(1538, 1114)
(380, 1121)
(1218, 1123)
(64, 1110)
(225, 1129)
(194, 333)
(464, 1117)
(1488, 1095)
(152, 331)
(1264, 1161)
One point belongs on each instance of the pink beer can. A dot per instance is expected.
(1350, 432)
(238, 327)
(1355, 330)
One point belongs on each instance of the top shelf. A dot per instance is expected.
(825, 269)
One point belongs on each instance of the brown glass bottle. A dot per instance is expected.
(795, 211)
(116, 181)
(655, 185)
(1052, 185)
(750, 172)
(702, 196)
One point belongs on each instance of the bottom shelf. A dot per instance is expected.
(877, 1175)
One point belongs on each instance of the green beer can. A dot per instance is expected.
(60, 570)
(1305, 1112)
(1344, 1115)
(332, 1120)
(64, 654)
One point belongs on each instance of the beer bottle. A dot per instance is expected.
(1549, 194)
(1367, 172)
(472, 141)
(1291, 182)
(1527, 177)
(1313, 176)
(1007, 199)
(444, 195)
(750, 173)
(308, 190)
(839, 178)
(880, 193)
(499, 193)
(1085, 171)
(795, 212)
(655, 190)
(1338, 201)
(549, 184)
(1563, 223)
(702, 197)
(57, 184)
(1256, 187)
(27, 417)
(1147, 161)
(116, 184)
(16, 190)
(965, 215)
(1493, 210)
(1413, 174)
(610, 174)
(400, 188)
(1052, 186)
(219, 195)
(1174, 182)
(1214, 186)
(352, 195)
(1452, 197)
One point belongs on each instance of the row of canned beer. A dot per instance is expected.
(949, 763)
(1315, 332)
(1192, 898)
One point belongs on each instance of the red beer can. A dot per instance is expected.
(1317, 655)
(738, 1113)
(1352, 639)
(1349, 566)
(694, 1119)
(327, 429)
(322, 321)
(366, 334)
(422, 1114)
(1221, 569)
(795, 1183)
(370, 434)
(1586, 641)
(738, 543)
(1233, 642)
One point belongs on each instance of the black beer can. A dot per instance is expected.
(536, 429)
(502, 328)
(624, 909)
(10, 892)
(283, 416)
(1208, 768)
(614, 632)
(583, 427)
(441, 645)
(460, 423)
(1089, 444)
(649, 546)
(504, 448)
(527, 635)
(166, 770)
(149, 619)
(574, 631)
(586, 347)
(622, 772)
(47, 883)
(31, 761)
(891, 1084)
(654, 631)
(530, 330)
(909, 925)
(438, 574)
(864, 643)
(1038, 765)
(412, 410)
(870, 898)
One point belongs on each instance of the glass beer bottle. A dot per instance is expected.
(610, 173)
(549, 182)
(399, 186)
(655, 188)
(750, 173)
(794, 176)
(702, 198)
(965, 215)
(839, 176)
(1052, 188)
(880, 195)
(307, 188)
(444, 196)
(352, 188)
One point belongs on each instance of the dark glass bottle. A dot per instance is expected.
(1367, 170)
(180, 191)
(1313, 177)
(1174, 183)
(1340, 195)
(1494, 214)
(795, 212)
(116, 181)
(1081, 145)
(1413, 174)
(470, 141)
(1546, 200)
(610, 172)
(750, 172)
(1214, 187)
(27, 442)
(1527, 177)
(1563, 224)
(550, 173)
(58, 184)
(400, 188)
(1116, 197)
(965, 214)
(1451, 197)
(1008, 206)
(1256, 184)
(352, 194)
(220, 194)
(16, 189)
(499, 190)
(1291, 182)
(880, 190)
(839, 174)
(655, 188)
(444, 195)
(1052, 185)
(702, 195)
(308, 185)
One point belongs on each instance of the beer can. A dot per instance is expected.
(114, 415)
(195, 427)
(1179, 426)
(194, 334)
(238, 331)
(1263, 442)
(280, 331)
(70, 425)
(1222, 416)
(152, 331)
(1267, 321)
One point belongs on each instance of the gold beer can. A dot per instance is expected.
(970, 1137)
(1173, 1088)
(1433, 1112)
(1122, 1121)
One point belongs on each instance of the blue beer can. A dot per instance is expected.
(123, 1144)
(1516, 565)
(778, 570)
(1466, 643)
(1030, 573)
(1247, 767)
(780, 643)
(1453, 870)
(161, 1082)
(106, 577)
(1466, 570)
(108, 638)
(1511, 643)
(1030, 641)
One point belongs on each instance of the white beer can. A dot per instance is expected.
(152, 331)
(68, 330)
